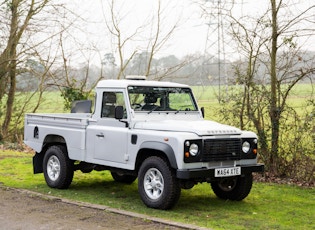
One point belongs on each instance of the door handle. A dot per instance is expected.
(100, 135)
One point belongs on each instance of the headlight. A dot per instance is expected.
(246, 146)
(193, 149)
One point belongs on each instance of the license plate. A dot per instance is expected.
(225, 172)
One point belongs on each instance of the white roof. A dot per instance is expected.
(126, 83)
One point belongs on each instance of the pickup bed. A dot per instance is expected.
(153, 131)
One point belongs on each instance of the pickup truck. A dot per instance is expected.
(150, 130)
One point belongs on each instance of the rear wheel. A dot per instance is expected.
(157, 184)
(233, 188)
(58, 168)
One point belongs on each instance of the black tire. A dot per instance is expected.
(157, 184)
(123, 178)
(233, 188)
(58, 168)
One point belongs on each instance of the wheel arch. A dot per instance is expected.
(152, 148)
(49, 140)
(53, 139)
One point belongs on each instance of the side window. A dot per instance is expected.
(110, 101)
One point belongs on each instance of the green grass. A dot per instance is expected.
(210, 93)
(51, 102)
(269, 206)
(207, 96)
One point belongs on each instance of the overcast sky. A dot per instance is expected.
(189, 38)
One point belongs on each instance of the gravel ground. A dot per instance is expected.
(25, 210)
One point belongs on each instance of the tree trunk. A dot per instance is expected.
(10, 100)
(3, 73)
(10, 76)
(274, 111)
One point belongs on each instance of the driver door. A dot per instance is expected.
(110, 134)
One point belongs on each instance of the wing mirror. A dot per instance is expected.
(119, 112)
(202, 111)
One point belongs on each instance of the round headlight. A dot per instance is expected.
(246, 146)
(193, 149)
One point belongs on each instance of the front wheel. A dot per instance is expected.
(157, 184)
(233, 188)
(58, 168)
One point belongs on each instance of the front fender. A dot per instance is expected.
(165, 148)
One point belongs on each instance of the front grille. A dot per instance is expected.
(221, 150)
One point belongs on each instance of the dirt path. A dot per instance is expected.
(25, 210)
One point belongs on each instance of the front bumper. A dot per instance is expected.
(204, 173)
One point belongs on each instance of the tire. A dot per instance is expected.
(233, 188)
(157, 184)
(123, 178)
(57, 167)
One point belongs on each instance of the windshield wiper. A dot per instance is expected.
(154, 108)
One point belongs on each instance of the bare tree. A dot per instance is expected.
(18, 16)
(288, 31)
(273, 60)
(113, 26)
(31, 35)
(75, 82)
(148, 38)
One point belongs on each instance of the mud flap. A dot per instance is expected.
(38, 163)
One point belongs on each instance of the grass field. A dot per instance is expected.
(269, 206)
(207, 96)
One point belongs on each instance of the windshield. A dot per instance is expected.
(145, 98)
